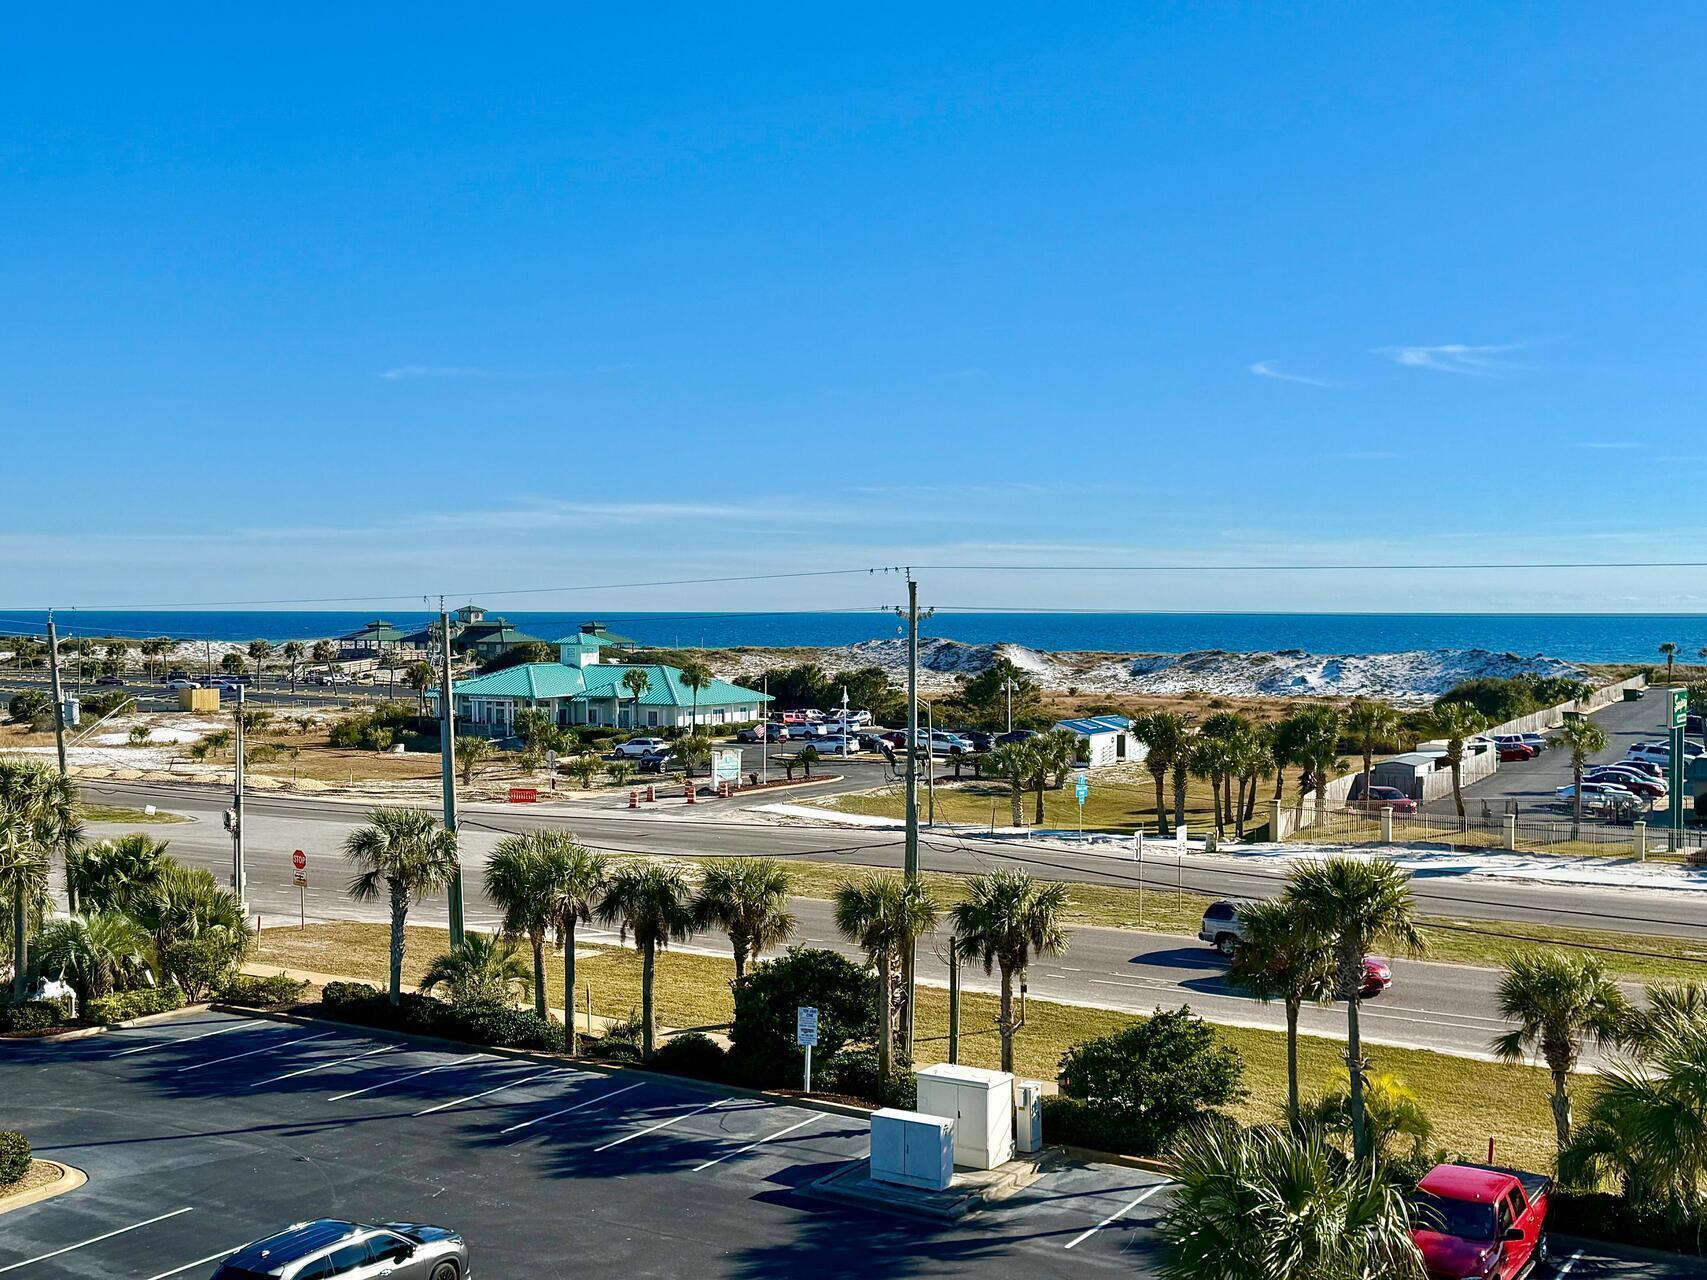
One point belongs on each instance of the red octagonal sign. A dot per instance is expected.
(299, 859)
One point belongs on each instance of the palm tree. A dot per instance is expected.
(1456, 721)
(884, 915)
(1668, 651)
(185, 904)
(152, 649)
(575, 881)
(408, 854)
(516, 872)
(653, 903)
(110, 875)
(324, 651)
(93, 953)
(472, 751)
(696, 676)
(293, 652)
(1269, 1204)
(1557, 999)
(481, 969)
(419, 676)
(1359, 904)
(1391, 1109)
(1371, 725)
(38, 809)
(1006, 919)
(1052, 755)
(690, 749)
(1210, 758)
(748, 899)
(1012, 762)
(1584, 738)
(637, 682)
(1163, 734)
(1279, 956)
(1314, 747)
(259, 652)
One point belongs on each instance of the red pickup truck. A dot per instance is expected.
(1481, 1222)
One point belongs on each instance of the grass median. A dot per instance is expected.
(118, 813)
(1467, 1101)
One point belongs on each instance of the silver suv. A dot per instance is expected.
(330, 1249)
(1221, 927)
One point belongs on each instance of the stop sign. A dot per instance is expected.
(299, 859)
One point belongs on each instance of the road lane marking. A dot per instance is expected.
(514, 1084)
(1569, 1264)
(662, 1124)
(166, 1044)
(761, 1142)
(1117, 1214)
(212, 1257)
(321, 1066)
(413, 1075)
(94, 1240)
(250, 1053)
(566, 1110)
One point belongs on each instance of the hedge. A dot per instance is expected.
(693, 1054)
(1598, 1215)
(242, 988)
(488, 1024)
(33, 1015)
(126, 1005)
(14, 1156)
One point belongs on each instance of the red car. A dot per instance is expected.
(1377, 976)
(1380, 798)
(1479, 1222)
(1514, 751)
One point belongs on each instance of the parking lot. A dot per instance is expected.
(202, 1132)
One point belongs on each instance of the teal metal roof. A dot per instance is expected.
(540, 680)
(534, 680)
(585, 641)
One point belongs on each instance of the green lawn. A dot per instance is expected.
(117, 813)
(1467, 1101)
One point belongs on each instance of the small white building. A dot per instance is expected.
(1107, 739)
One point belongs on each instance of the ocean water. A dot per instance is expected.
(1574, 637)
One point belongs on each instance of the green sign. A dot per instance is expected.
(1679, 708)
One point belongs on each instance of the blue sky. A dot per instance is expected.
(377, 300)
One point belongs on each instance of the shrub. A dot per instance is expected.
(1142, 1084)
(762, 1036)
(28, 706)
(261, 992)
(853, 1071)
(503, 1027)
(100, 704)
(14, 1156)
(32, 1015)
(338, 994)
(199, 964)
(126, 1005)
(693, 1053)
(479, 1023)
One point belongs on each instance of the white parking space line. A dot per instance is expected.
(250, 1053)
(514, 1084)
(566, 1110)
(199, 1262)
(322, 1066)
(94, 1240)
(167, 1044)
(662, 1124)
(1117, 1214)
(413, 1075)
(1570, 1264)
(761, 1142)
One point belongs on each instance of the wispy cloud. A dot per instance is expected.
(1453, 357)
(1272, 369)
(407, 371)
(1605, 444)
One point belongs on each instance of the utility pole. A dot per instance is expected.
(1008, 687)
(953, 1002)
(765, 735)
(911, 859)
(237, 877)
(447, 751)
(58, 695)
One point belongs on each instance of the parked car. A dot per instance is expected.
(1660, 752)
(1015, 735)
(1221, 929)
(651, 761)
(182, 682)
(1513, 752)
(331, 1247)
(768, 732)
(1379, 798)
(1536, 740)
(1596, 791)
(1481, 1221)
(1640, 783)
(980, 739)
(634, 748)
(109, 679)
(1647, 767)
(833, 744)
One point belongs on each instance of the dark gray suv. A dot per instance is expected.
(329, 1249)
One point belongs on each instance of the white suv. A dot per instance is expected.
(642, 747)
(1660, 752)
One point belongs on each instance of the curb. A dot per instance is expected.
(69, 1180)
(1588, 1244)
(146, 1020)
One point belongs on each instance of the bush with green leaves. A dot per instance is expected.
(261, 992)
(32, 1015)
(126, 1005)
(29, 706)
(14, 1156)
(853, 1071)
(693, 1054)
(1139, 1086)
(198, 965)
(374, 729)
(478, 1023)
(503, 1027)
(96, 705)
(763, 1051)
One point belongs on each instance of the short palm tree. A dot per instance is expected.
(1012, 762)
(637, 682)
(482, 969)
(293, 652)
(653, 904)
(1583, 738)
(419, 676)
(1272, 1204)
(575, 880)
(1557, 1000)
(1280, 956)
(472, 751)
(1668, 651)
(93, 954)
(38, 807)
(690, 749)
(1391, 1110)
(696, 676)
(405, 854)
(259, 652)
(1371, 724)
(1314, 748)
(748, 899)
(884, 915)
(1163, 734)
(1456, 721)
(1360, 904)
(516, 872)
(1005, 920)
(112, 874)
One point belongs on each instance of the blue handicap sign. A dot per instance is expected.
(1081, 787)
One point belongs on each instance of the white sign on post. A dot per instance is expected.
(806, 1035)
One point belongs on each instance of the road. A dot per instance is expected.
(1447, 1007)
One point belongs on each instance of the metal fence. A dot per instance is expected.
(1537, 833)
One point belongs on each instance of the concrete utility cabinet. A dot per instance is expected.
(1028, 1116)
(911, 1149)
(981, 1103)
